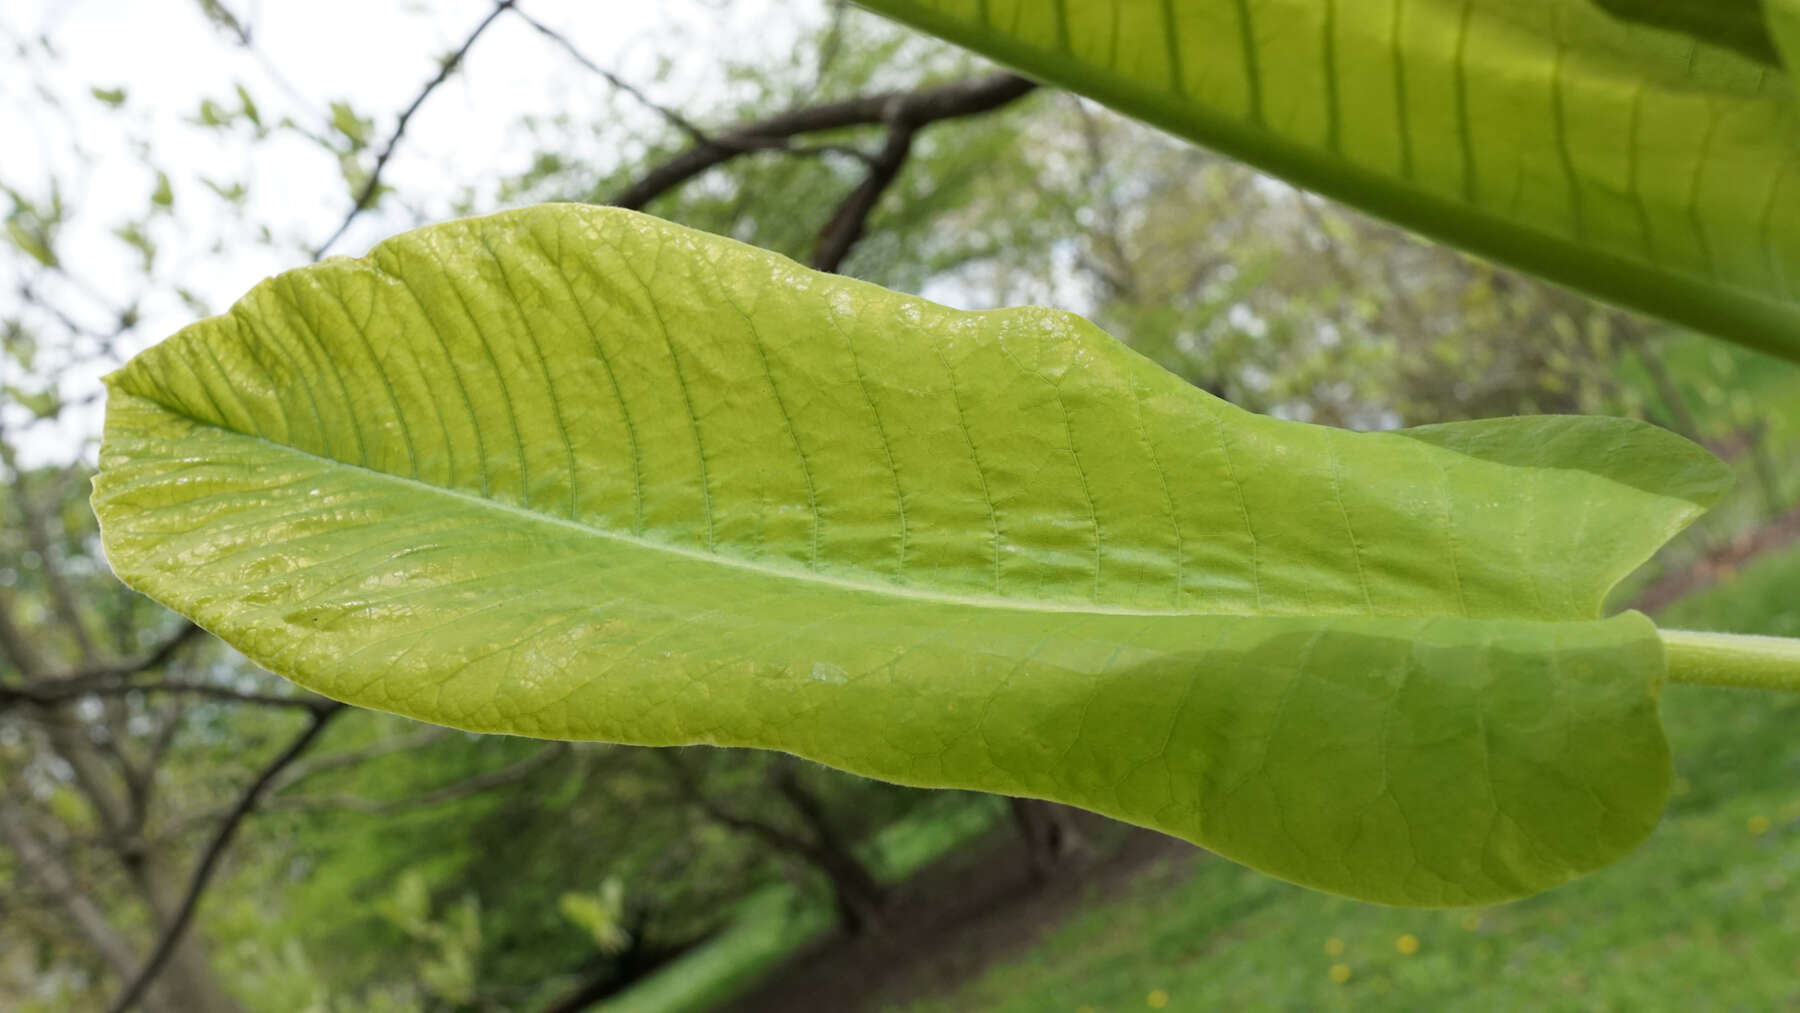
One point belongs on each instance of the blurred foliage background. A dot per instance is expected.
(385, 865)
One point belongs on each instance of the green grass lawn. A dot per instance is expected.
(1706, 914)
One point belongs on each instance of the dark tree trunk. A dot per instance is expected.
(1048, 832)
(861, 899)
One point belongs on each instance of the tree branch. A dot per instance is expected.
(122, 320)
(915, 109)
(671, 116)
(242, 34)
(1119, 276)
(15, 647)
(274, 799)
(695, 134)
(38, 861)
(851, 218)
(366, 196)
(51, 694)
(473, 785)
(209, 860)
(38, 536)
(351, 757)
(113, 680)
(158, 656)
(769, 833)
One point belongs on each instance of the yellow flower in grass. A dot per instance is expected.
(1334, 947)
(1340, 973)
(1407, 944)
(1758, 824)
(1157, 999)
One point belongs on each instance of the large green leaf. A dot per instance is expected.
(574, 472)
(1640, 150)
(1735, 24)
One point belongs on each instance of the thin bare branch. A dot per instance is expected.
(38, 536)
(366, 196)
(51, 694)
(209, 860)
(275, 798)
(695, 134)
(851, 219)
(689, 787)
(1117, 275)
(244, 35)
(14, 645)
(300, 772)
(40, 863)
(464, 788)
(122, 319)
(917, 108)
(157, 657)
(830, 45)
(671, 116)
(115, 680)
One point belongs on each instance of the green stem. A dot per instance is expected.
(1732, 659)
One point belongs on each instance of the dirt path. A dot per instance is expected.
(955, 919)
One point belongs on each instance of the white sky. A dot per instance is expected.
(374, 53)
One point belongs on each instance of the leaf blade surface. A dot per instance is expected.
(577, 473)
(1639, 151)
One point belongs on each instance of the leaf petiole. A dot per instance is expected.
(1732, 659)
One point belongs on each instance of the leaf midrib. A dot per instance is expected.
(699, 555)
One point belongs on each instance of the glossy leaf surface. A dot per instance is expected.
(1640, 150)
(578, 473)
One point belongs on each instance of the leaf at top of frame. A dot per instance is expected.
(1639, 150)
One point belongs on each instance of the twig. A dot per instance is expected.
(36, 859)
(473, 785)
(15, 647)
(367, 195)
(38, 535)
(674, 118)
(242, 34)
(203, 872)
(274, 799)
(179, 826)
(696, 135)
(691, 792)
(47, 695)
(113, 680)
(158, 656)
(1118, 276)
(122, 319)
(967, 97)
(851, 218)
(829, 47)
(351, 757)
